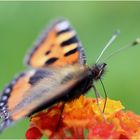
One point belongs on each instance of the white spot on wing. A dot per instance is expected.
(7, 90)
(32, 72)
(3, 108)
(62, 25)
(4, 98)
(2, 103)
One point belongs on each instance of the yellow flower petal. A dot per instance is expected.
(111, 107)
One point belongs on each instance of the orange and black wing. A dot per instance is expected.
(16, 93)
(37, 88)
(57, 46)
(12, 95)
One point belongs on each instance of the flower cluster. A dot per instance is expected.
(82, 118)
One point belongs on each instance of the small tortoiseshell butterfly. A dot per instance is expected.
(58, 73)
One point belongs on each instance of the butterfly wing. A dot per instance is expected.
(35, 89)
(15, 93)
(57, 46)
(12, 95)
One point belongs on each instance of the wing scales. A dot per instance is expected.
(57, 46)
(49, 89)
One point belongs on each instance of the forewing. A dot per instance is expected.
(14, 94)
(57, 46)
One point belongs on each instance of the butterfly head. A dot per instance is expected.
(98, 70)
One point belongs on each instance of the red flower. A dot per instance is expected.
(82, 118)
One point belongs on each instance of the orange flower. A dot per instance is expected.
(82, 118)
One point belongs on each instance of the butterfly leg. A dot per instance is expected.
(97, 94)
(105, 95)
(97, 98)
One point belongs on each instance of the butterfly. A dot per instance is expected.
(58, 72)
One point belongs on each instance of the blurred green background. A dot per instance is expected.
(95, 22)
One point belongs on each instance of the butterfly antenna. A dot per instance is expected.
(134, 43)
(115, 35)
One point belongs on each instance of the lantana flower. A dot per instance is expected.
(82, 119)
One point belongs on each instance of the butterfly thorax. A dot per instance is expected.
(98, 70)
(81, 87)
